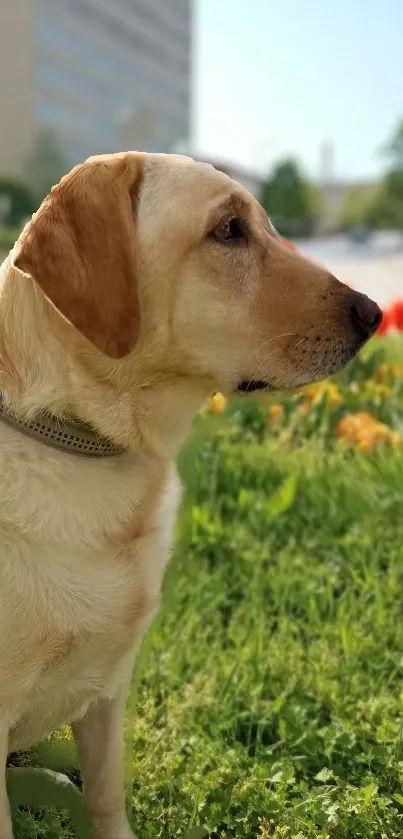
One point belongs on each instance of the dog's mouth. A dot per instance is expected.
(252, 385)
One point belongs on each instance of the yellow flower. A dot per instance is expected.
(396, 439)
(383, 371)
(334, 396)
(316, 391)
(378, 389)
(386, 371)
(397, 370)
(218, 403)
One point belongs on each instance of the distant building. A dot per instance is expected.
(326, 161)
(104, 74)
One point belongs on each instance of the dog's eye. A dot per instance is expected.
(230, 231)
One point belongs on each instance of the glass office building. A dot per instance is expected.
(105, 75)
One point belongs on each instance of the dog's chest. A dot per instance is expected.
(103, 609)
(68, 659)
(85, 616)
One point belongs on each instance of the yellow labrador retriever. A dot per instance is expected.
(142, 284)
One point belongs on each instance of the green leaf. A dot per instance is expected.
(277, 777)
(281, 500)
(31, 787)
(324, 775)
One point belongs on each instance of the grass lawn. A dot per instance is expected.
(268, 698)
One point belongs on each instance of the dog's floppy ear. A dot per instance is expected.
(80, 247)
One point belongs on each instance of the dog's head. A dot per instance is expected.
(164, 262)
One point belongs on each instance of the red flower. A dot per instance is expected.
(385, 324)
(396, 313)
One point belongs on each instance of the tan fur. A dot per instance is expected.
(122, 306)
(89, 273)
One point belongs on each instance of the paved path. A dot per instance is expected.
(376, 268)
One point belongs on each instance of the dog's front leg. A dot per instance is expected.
(100, 745)
(6, 830)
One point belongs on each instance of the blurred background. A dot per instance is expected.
(301, 102)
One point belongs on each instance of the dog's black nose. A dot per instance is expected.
(365, 314)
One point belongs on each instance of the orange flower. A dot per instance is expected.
(366, 432)
(275, 412)
(365, 444)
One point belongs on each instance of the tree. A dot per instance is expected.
(358, 206)
(46, 163)
(21, 203)
(290, 199)
(393, 148)
(387, 208)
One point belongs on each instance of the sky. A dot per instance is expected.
(280, 77)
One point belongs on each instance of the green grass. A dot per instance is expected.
(267, 701)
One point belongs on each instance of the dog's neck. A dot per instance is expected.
(37, 375)
(65, 435)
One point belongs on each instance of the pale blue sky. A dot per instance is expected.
(279, 77)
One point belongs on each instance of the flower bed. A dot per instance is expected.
(361, 408)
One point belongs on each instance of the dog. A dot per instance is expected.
(143, 283)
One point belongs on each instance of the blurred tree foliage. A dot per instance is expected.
(381, 207)
(387, 208)
(393, 148)
(21, 201)
(358, 207)
(291, 201)
(46, 163)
